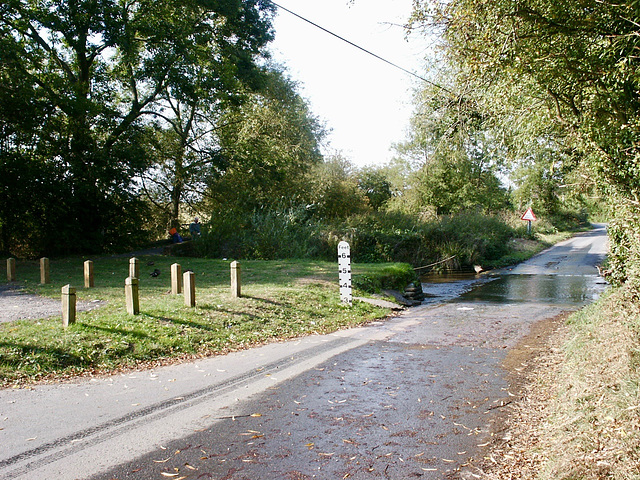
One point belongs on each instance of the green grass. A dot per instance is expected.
(281, 299)
(592, 427)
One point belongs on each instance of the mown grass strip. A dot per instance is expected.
(281, 300)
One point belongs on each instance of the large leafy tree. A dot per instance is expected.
(453, 154)
(93, 70)
(267, 147)
(575, 64)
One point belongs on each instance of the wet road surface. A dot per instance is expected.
(412, 397)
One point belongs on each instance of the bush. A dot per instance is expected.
(464, 239)
(260, 235)
(393, 277)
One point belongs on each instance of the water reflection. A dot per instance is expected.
(551, 289)
(443, 288)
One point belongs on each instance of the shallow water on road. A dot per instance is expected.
(576, 290)
(549, 289)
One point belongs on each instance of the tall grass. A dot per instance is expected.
(465, 238)
(594, 419)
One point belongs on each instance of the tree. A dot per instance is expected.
(99, 67)
(335, 190)
(453, 153)
(268, 145)
(375, 185)
(576, 63)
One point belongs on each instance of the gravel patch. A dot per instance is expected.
(15, 304)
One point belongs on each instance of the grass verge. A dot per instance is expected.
(281, 300)
(579, 417)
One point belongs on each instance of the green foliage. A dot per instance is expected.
(391, 277)
(624, 254)
(450, 149)
(375, 186)
(262, 234)
(374, 237)
(559, 81)
(335, 191)
(90, 74)
(268, 146)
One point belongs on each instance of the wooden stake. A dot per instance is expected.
(189, 281)
(44, 271)
(236, 282)
(176, 279)
(132, 296)
(68, 305)
(88, 274)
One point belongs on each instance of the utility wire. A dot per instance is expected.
(361, 48)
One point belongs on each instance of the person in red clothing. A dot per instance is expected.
(175, 236)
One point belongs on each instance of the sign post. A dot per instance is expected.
(529, 216)
(344, 272)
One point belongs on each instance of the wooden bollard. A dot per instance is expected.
(11, 269)
(44, 270)
(68, 305)
(132, 296)
(189, 281)
(134, 267)
(88, 274)
(176, 279)
(236, 286)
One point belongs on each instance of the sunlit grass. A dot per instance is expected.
(280, 300)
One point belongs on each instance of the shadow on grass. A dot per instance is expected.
(58, 358)
(187, 323)
(118, 331)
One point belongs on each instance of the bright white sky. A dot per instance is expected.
(365, 102)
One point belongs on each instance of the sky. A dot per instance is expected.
(365, 102)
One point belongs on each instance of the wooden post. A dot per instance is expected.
(189, 289)
(44, 271)
(134, 268)
(68, 305)
(11, 269)
(88, 274)
(132, 296)
(176, 279)
(236, 286)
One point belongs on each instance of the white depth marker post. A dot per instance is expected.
(344, 272)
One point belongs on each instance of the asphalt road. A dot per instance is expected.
(412, 397)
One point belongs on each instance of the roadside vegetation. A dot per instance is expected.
(579, 412)
(557, 83)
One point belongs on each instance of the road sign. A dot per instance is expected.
(344, 272)
(529, 215)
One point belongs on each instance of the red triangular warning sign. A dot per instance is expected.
(529, 215)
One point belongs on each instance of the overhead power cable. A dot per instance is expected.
(360, 48)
